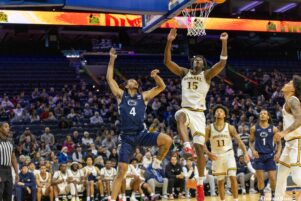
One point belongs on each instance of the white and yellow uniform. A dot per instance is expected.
(194, 92)
(91, 172)
(108, 174)
(43, 181)
(64, 187)
(222, 147)
(291, 153)
(76, 176)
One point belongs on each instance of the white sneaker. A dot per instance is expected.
(164, 197)
(243, 191)
(252, 191)
(228, 192)
(267, 190)
(133, 198)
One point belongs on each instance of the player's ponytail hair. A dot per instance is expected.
(297, 86)
(204, 61)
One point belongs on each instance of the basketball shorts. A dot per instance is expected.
(224, 164)
(129, 142)
(196, 122)
(291, 155)
(80, 188)
(265, 162)
(63, 189)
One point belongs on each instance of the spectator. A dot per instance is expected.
(244, 175)
(69, 144)
(63, 155)
(27, 136)
(147, 159)
(96, 119)
(108, 142)
(77, 156)
(26, 185)
(48, 137)
(44, 150)
(87, 140)
(75, 137)
(175, 175)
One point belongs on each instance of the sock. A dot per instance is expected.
(235, 199)
(261, 192)
(156, 164)
(273, 194)
(200, 181)
(57, 199)
(152, 194)
(133, 194)
(88, 198)
(187, 145)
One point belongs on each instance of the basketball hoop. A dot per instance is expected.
(197, 15)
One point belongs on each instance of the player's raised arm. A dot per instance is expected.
(110, 75)
(150, 94)
(251, 142)
(219, 66)
(241, 145)
(172, 66)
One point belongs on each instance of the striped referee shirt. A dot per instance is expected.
(6, 151)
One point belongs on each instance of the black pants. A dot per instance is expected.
(176, 183)
(6, 183)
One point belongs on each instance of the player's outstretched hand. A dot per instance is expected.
(255, 154)
(154, 73)
(224, 36)
(172, 34)
(113, 53)
(212, 157)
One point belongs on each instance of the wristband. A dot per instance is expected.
(223, 57)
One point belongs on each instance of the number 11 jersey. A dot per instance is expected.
(220, 140)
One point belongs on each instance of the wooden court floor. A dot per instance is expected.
(249, 197)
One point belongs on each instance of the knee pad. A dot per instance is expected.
(232, 173)
(199, 139)
(220, 177)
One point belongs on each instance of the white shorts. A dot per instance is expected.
(224, 163)
(291, 153)
(63, 189)
(196, 122)
(80, 188)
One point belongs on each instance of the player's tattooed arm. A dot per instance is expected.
(240, 143)
(251, 142)
(219, 66)
(295, 108)
(172, 66)
(117, 92)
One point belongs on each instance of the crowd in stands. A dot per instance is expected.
(96, 154)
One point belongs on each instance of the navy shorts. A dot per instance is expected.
(265, 162)
(129, 142)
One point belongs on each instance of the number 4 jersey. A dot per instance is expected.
(220, 140)
(194, 91)
(264, 143)
(131, 112)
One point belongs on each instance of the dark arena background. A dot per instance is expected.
(54, 94)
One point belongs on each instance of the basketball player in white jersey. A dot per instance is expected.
(220, 135)
(108, 174)
(75, 179)
(43, 181)
(60, 183)
(290, 160)
(195, 86)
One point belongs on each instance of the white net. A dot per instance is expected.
(197, 15)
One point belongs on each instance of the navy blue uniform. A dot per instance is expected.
(264, 145)
(132, 128)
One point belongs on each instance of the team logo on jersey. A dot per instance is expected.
(270, 130)
(264, 134)
(132, 102)
(139, 97)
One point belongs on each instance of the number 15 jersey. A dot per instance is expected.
(220, 141)
(131, 114)
(194, 91)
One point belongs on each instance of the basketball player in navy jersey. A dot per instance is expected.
(131, 110)
(264, 151)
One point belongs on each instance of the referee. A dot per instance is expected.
(7, 160)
